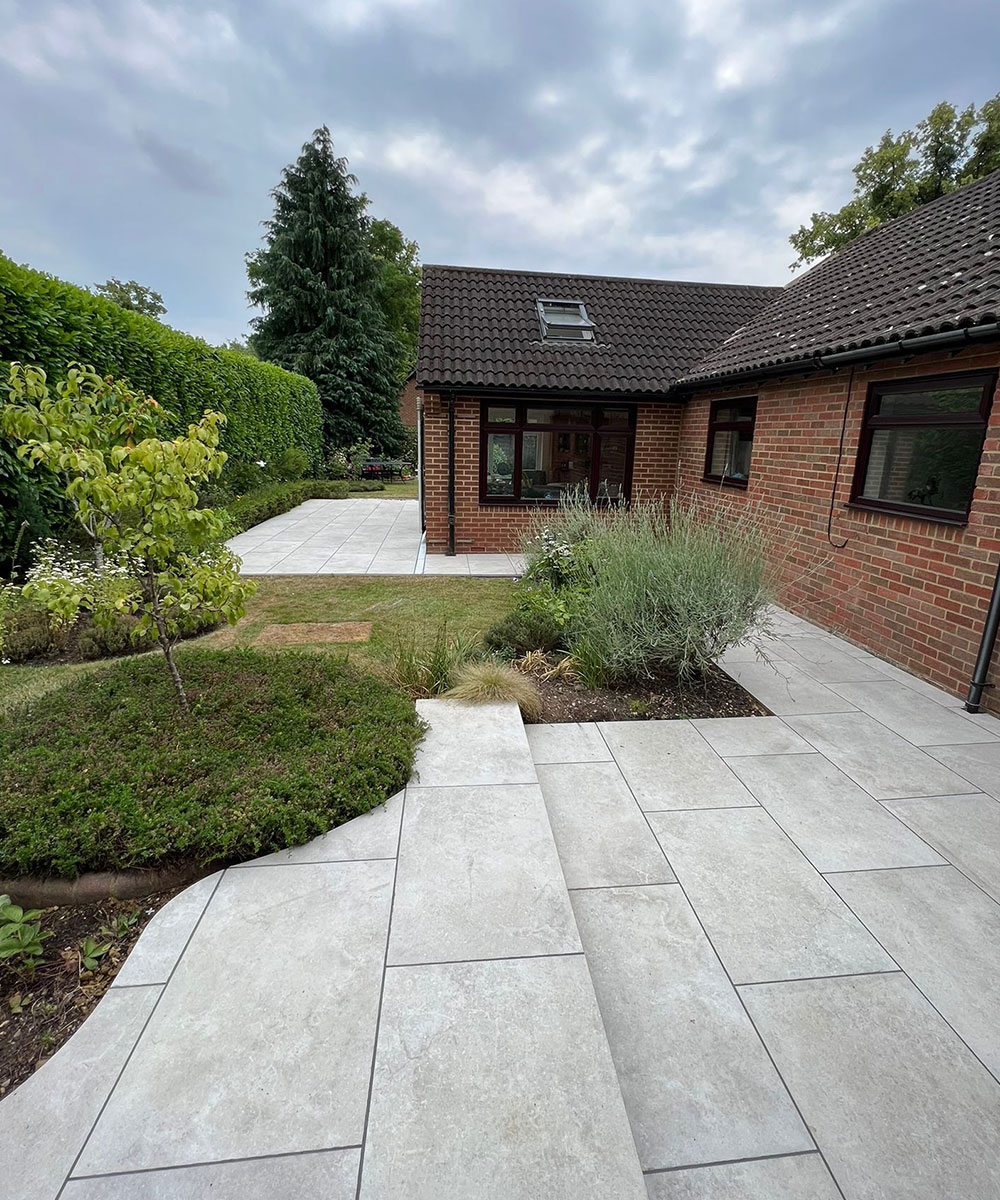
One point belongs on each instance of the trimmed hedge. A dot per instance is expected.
(106, 774)
(50, 323)
(266, 502)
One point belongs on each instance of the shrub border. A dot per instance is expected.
(260, 505)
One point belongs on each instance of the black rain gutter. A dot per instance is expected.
(985, 655)
(949, 339)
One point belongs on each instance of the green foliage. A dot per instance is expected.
(279, 748)
(21, 934)
(424, 667)
(654, 590)
(398, 288)
(347, 462)
(493, 683)
(50, 323)
(948, 148)
(91, 952)
(132, 296)
(277, 498)
(408, 449)
(291, 464)
(316, 281)
(135, 494)
(524, 629)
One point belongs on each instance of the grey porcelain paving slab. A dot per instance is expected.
(471, 744)
(921, 686)
(801, 1177)
(330, 1175)
(835, 823)
(375, 834)
(730, 736)
(827, 663)
(601, 835)
(966, 830)
(479, 877)
(668, 764)
(921, 721)
(274, 1000)
(785, 689)
(883, 763)
(494, 1080)
(769, 914)
(47, 1119)
(567, 743)
(163, 940)
(900, 1108)
(945, 934)
(980, 765)
(698, 1085)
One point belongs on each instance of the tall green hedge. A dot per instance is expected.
(51, 323)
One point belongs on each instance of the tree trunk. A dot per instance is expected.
(98, 555)
(175, 675)
(163, 638)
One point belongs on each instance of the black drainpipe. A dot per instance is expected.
(985, 655)
(451, 476)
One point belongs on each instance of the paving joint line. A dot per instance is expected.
(215, 1162)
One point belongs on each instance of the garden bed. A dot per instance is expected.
(107, 774)
(661, 699)
(40, 1010)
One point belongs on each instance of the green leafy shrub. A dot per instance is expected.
(277, 498)
(240, 478)
(50, 323)
(523, 630)
(21, 934)
(25, 631)
(665, 589)
(279, 748)
(366, 485)
(493, 682)
(291, 464)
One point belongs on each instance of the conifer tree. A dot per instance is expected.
(316, 281)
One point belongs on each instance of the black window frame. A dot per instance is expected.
(716, 426)
(872, 422)
(520, 426)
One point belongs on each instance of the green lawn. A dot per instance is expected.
(400, 491)
(398, 608)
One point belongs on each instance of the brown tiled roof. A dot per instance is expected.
(479, 328)
(936, 269)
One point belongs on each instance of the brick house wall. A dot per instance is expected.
(491, 528)
(408, 403)
(910, 590)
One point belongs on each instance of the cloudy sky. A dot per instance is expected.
(673, 138)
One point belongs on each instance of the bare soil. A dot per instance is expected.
(41, 1009)
(659, 699)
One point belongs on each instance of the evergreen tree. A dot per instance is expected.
(317, 282)
(948, 148)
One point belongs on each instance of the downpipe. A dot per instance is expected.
(985, 655)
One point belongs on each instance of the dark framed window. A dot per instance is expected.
(730, 440)
(534, 453)
(920, 446)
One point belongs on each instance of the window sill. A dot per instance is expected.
(912, 514)
(722, 481)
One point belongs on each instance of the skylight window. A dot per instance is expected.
(565, 321)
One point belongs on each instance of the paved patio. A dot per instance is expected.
(740, 958)
(363, 535)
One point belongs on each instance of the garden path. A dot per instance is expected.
(749, 957)
(363, 535)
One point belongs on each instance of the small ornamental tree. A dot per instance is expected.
(135, 494)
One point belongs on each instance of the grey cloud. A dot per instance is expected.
(656, 137)
(183, 168)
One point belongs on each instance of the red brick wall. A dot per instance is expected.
(490, 528)
(910, 590)
(408, 404)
